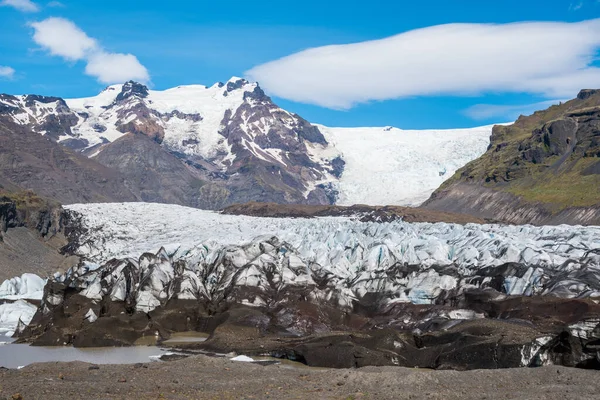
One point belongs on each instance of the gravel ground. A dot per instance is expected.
(202, 377)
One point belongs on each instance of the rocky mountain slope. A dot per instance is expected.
(29, 161)
(33, 231)
(332, 291)
(545, 168)
(210, 147)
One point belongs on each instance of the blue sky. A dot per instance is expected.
(186, 42)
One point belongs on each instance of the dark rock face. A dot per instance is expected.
(337, 167)
(278, 167)
(48, 115)
(238, 84)
(32, 235)
(540, 170)
(29, 161)
(585, 94)
(153, 174)
(131, 89)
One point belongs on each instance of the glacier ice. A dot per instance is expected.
(195, 254)
(27, 286)
(11, 314)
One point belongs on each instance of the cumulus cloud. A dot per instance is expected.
(115, 67)
(61, 37)
(552, 59)
(509, 112)
(21, 5)
(6, 72)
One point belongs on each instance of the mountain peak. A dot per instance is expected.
(132, 88)
(235, 83)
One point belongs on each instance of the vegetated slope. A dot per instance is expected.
(544, 168)
(236, 145)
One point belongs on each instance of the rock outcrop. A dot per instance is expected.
(29, 161)
(33, 232)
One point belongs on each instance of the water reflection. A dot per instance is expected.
(17, 355)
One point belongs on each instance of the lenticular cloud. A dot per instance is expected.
(547, 58)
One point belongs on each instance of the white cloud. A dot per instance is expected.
(6, 72)
(63, 38)
(114, 67)
(21, 5)
(509, 112)
(552, 59)
(56, 4)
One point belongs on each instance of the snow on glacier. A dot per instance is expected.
(403, 167)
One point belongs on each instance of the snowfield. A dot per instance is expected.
(208, 102)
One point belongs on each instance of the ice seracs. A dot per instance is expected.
(14, 307)
(161, 252)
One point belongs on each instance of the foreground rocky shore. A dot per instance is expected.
(203, 377)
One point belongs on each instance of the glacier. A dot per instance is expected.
(388, 165)
(14, 305)
(404, 291)
(13, 314)
(406, 262)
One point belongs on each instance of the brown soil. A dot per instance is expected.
(364, 212)
(202, 377)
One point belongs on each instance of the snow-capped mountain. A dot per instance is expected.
(230, 143)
